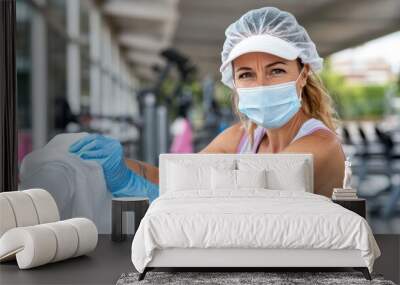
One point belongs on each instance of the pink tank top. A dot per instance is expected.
(308, 127)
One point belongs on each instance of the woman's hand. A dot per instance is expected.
(109, 153)
(120, 180)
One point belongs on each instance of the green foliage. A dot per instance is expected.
(354, 102)
(169, 87)
(223, 95)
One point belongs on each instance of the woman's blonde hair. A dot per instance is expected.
(316, 102)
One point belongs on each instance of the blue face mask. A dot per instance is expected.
(270, 106)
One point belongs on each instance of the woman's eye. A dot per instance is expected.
(277, 71)
(245, 75)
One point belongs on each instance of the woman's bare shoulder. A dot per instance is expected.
(226, 141)
(328, 157)
(325, 147)
(321, 143)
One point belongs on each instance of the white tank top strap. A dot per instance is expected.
(310, 126)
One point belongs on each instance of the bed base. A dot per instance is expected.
(247, 259)
(364, 270)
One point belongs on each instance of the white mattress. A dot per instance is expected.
(251, 219)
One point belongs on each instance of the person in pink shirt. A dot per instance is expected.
(182, 132)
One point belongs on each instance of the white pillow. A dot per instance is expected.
(183, 178)
(251, 178)
(231, 180)
(223, 179)
(295, 180)
(282, 174)
(183, 175)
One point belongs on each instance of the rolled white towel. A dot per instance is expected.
(40, 244)
(87, 233)
(45, 206)
(26, 208)
(67, 237)
(7, 218)
(31, 246)
(23, 208)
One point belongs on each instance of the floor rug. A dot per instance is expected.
(229, 278)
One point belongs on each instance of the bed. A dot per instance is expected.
(247, 210)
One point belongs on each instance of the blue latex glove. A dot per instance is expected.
(121, 181)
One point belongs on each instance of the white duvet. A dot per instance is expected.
(250, 219)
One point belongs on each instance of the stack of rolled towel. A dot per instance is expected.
(31, 232)
(344, 194)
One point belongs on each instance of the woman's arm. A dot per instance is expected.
(148, 171)
(328, 159)
(225, 142)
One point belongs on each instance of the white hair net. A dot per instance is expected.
(272, 22)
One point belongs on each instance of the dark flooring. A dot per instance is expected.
(110, 259)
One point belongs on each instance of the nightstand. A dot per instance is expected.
(356, 205)
(138, 205)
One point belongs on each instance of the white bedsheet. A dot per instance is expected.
(251, 219)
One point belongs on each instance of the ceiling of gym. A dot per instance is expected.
(196, 27)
